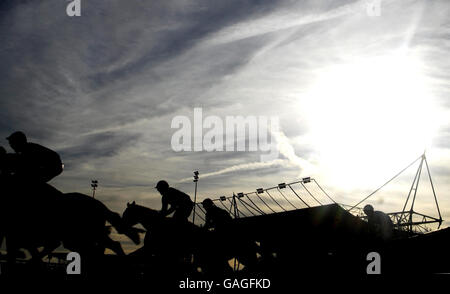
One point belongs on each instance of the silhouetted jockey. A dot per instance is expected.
(379, 223)
(34, 163)
(216, 217)
(221, 221)
(180, 203)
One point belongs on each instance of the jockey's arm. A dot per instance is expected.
(169, 211)
(164, 206)
(165, 211)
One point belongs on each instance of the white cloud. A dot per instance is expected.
(129, 68)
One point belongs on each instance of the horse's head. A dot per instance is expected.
(135, 214)
(130, 215)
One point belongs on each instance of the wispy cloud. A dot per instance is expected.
(102, 89)
(241, 167)
(293, 17)
(284, 147)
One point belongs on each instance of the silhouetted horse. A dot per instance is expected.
(50, 218)
(171, 242)
(166, 241)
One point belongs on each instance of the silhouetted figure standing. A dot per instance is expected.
(35, 163)
(216, 217)
(379, 223)
(180, 203)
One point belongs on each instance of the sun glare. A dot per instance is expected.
(369, 118)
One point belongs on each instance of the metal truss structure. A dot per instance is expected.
(408, 219)
(304, 193)
(307, 192)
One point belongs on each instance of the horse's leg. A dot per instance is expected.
(116, 221)
(133, 234)
(113, 245)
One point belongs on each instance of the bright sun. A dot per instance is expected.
(369, 118)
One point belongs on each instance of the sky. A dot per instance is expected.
(359, 95)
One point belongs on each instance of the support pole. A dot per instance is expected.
(236, 215)
(409, 194)
(434, 193)
(195, 195)
(411, 210)
(94, 185)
